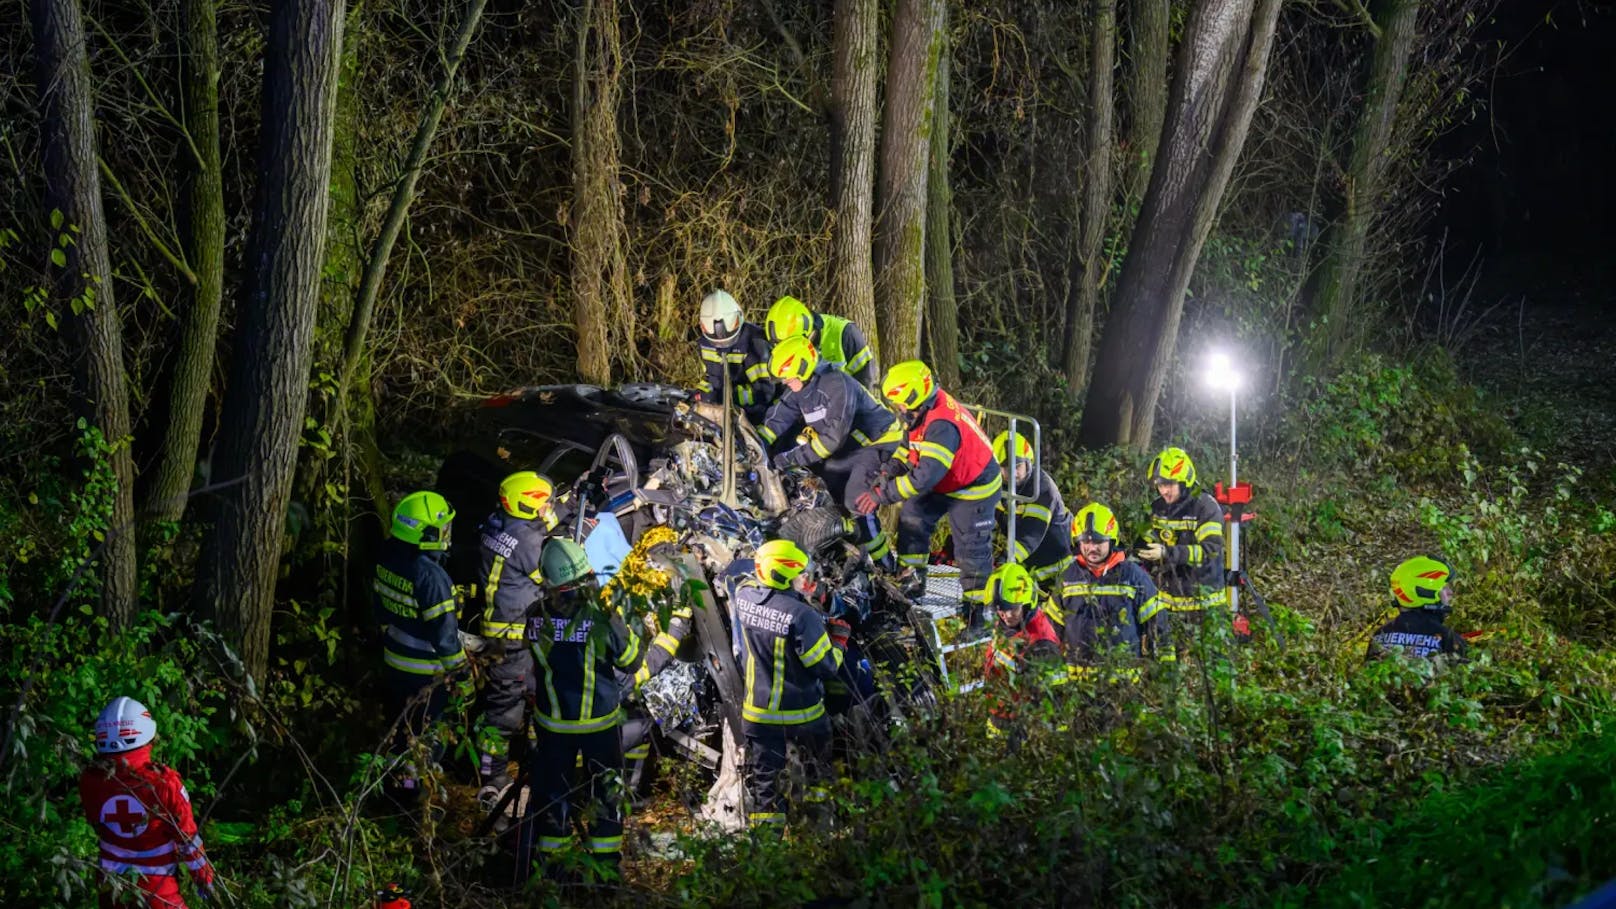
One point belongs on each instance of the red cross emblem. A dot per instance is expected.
(124, 816)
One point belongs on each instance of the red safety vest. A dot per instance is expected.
(142, 815)
(975, 451)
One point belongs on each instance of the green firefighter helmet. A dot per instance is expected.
(422, 519)
(1418, 583)
(1173, 465)
(564, 564)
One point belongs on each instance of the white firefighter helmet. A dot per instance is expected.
(124, 725)
(721, 318)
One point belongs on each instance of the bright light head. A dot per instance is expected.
(1221, 374)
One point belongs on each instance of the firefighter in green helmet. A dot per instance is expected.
(840, 342)
(580, 644)
(1184, 547)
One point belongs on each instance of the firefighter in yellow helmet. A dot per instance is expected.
(787, 656)
(840, 342)
(1421, 589)
(848, 432)
(730, 343)
(950, 471)
(1043, 526)
(1185, 544)
(511, 543)
(1106, 600)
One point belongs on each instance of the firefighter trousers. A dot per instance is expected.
(561, 798)
(847, 475)
(770, 786)
(504, 705)
(970, 522)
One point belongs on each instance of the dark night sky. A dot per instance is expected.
(1544, 174)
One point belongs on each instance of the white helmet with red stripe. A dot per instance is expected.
(124, 725)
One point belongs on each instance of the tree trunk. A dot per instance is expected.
(599, 267)
(398, 209)
(1149, 46)
(198, 332)
(83, 279)
(264, 405)
(852, 163)
(1336, 283)
(942, 311)
(906, 124)
(1220, 71)
(1096, 212)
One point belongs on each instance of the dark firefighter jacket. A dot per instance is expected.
(1043, 526)
(511, 576)
(837, 412)
(1109, 607)
(1191, 573)
(414, 602)
(1417, 633)
(577, 658)
(785, 653)
(949, 455)
(748, 362)
(842, 344)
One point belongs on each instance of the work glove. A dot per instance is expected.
(892, 468)
(1152, 552)
(786, 459)
(839, 632)
(868, 502)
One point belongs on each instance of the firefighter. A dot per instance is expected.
(140, 812)
(1026, 646)
(786, 656)
(950, 471)
(511, 541)
(1185, 543)
(415, 604)
(392, 896)
(1424, 598)
(849, 433)
(579, 646)
(730, 342)
(1108, 602)
(1043, 540)
(840, 342)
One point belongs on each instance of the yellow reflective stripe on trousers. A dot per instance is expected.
(412, 665)
(602, 845)
(979, 491)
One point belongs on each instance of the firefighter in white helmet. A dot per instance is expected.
(729, 342)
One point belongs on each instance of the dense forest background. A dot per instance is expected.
(262, 259)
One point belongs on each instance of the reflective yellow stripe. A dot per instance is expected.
(711, 356)
(1209, 529)
(1194, 554)
(605, 844)
(879, 547)
(505, 631)
(768, 434)
(1099, 590)
(757, 371)
(638, 752)
(631, 652)
(783, 717)
(818, 446)
(422, 665)
(860, 437)
(552, 843)
(1151, 607)
(667, 642)
(894, 433)
(915, 558)
(491, 583)
(442, 608)
(859, 361)
(936, 452)
(1021, 551)
(1051, 571)
(541, 653)
(586, 698)
(906, 487)
(778, 683)
(1038, 512)
(743, 395)
(765, 817)
(979, 491)
(817, 652)
(574, 727)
